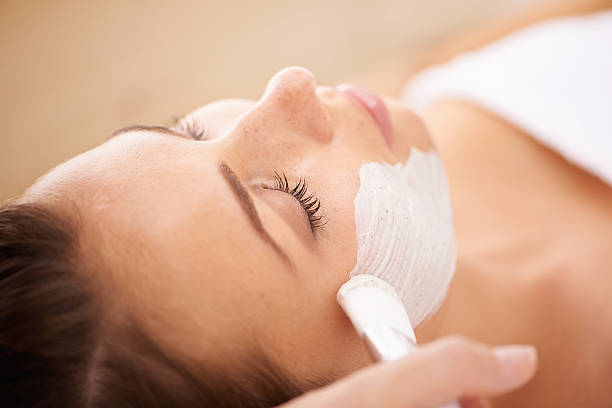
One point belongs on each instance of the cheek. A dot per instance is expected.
(334, 345)
(314, 339)
(409, 130)
(338, 240)
(331, 345)
(308, 331)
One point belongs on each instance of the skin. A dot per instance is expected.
(534, 255)
(533, 238)
(165, 235)
(533, 233)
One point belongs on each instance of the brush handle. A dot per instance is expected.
(387, 344)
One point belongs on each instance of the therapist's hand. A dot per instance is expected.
(449, 369)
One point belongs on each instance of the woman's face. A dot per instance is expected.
(204, 247)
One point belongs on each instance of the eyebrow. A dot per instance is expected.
(143, 128)
(240, 192)
(246, 203)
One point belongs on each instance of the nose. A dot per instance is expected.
(291, 97)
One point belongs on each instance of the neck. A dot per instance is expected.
(533, 257)
(482, 305)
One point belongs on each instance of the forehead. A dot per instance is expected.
(135, 163)
(150, 199)
(140, 187)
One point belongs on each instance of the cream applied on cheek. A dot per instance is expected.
(404, 229)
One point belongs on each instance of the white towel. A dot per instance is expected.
(552, 79)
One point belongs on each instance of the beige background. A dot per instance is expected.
(74, 71)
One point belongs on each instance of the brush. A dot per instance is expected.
(378, 315)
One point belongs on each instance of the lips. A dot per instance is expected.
(374, 105)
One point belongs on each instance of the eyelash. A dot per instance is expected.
(191, 128)
(310, 202)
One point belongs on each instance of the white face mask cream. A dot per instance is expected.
(405, 232)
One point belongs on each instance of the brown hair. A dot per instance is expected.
(54, 352)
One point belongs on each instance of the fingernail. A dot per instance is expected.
(517, 363)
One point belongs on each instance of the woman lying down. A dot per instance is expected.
(198, 265)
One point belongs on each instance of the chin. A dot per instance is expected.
(409, 130)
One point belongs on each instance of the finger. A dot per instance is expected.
(457, 367)
(433, 375)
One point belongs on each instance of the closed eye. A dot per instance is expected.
(144, 128)
(191, 128)
(310, 202)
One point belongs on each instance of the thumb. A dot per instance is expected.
(434, 374)
(457, 367)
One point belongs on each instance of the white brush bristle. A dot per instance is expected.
(368, 300)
